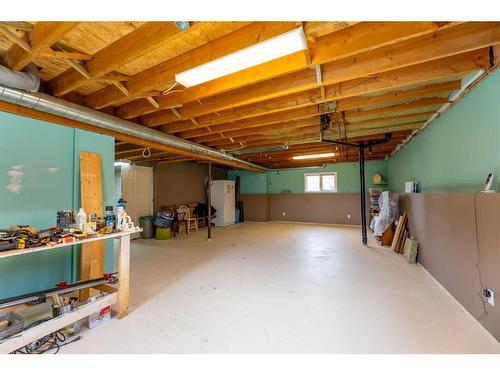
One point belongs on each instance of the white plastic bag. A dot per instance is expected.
(389, 210)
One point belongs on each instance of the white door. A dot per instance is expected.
(137, 190)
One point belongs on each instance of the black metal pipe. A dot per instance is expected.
(364, 236)
(209, 200)
(361, 145)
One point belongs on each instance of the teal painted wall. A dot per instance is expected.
(38, 146)
(274, 182)
(458, 150)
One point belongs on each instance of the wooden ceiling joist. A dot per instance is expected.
(369, 77)
(163, 75)
(145, 39)
(44, 35)
(447, 42)
(228, 122)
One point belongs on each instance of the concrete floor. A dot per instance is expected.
(283, 288)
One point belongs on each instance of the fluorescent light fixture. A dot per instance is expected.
(122, 163)
(314, 156)
(270, 49)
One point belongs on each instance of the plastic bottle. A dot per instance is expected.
(81, 219)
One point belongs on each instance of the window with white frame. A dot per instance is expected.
(320, 182)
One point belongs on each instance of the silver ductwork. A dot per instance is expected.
(28, 80)
(58, 107)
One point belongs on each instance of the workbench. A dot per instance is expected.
(117, 297)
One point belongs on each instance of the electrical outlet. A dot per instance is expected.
(284, 213)
(490, 296)
(348, 216)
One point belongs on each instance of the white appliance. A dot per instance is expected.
(222, 194)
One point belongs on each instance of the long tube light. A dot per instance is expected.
(270, 49)
(314, 156)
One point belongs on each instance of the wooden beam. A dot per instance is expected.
(449, 68)
(163, 75)
(44, 35)
(444, 43)
(49, 52)
(153, 102)
(316, 29)
(14, 38)
(292, 107)
(352, 42)
(28, 112)
(82, 70)
(121, 87)
(362, 37)
(260, 129)
(301, 113)
(147, 38)
(17, 25)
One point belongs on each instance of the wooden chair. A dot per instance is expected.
(187, 218)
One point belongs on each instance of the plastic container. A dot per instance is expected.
(163, 233)
(146, 222)
(81, 219)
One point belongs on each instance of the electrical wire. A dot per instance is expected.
(478, 263)
(53, 341)
(170, 89)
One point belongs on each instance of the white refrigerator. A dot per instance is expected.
(222, 194)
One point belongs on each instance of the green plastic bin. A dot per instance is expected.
(163, 233)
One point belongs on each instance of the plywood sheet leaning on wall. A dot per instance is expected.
(92, 255)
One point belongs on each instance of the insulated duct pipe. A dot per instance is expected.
(28, 80)
(58, 107)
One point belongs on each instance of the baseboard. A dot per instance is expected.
(305, 222)
(456, 301)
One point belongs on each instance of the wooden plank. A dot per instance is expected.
(31, 250)
(44, 35)
(79, 68)
(49, 52)
(17, 25)
(123, 276)
(56, 324)
(14, 38)
(92, 254)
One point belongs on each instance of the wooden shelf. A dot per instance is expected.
(56, 324)
(11, 253)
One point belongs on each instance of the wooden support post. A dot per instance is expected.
(209, 199)
(123, 276)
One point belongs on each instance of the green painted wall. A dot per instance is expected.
(458, 150)
(274, 182)
(38, 146)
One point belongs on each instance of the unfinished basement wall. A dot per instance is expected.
(450, 160)
(47, 155)
(279, 194)
(181, 183)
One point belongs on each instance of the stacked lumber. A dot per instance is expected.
(400, 235)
